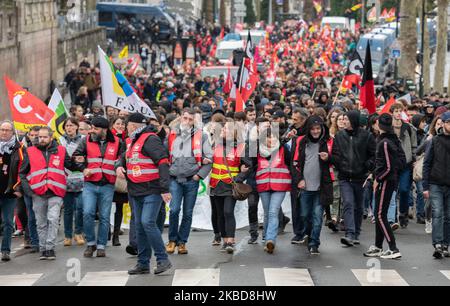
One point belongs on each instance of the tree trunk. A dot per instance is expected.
(408, 40)
(441, 46)
(209, 10)
(308, 10)
(223, 13)
(426, 55)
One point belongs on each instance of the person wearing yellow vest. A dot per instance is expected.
(96, 156)
(312, 160)
(190, 161)
(273, 180)
(44, 179)
(146, 168)
(222, 202)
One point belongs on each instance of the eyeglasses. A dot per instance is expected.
(5, 130)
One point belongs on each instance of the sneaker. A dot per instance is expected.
(253, 240)
(304, 240)
(6, 256)
(445, 251)
(223, 249)
(403, 221)
(296, 240)
(428, 227)
(356, 242)
(67, 242)
(101, 253)
(43, 256)
(270, 246)
(314, 250)
(51, 255)
(333, 226)
(411, 213)
(27, 244)
(18, 233)
(90, 250)
(347, 241)
(170, 247)
(420, 220)
(395, 226)
(79, 239)
(373, 252)
(138, 270)
(391, 255)
(182, 250)
(438, 252)
(229, 248)
(162, 266)
(217, 241)
(131, 250)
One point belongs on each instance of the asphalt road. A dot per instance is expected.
(249, 266)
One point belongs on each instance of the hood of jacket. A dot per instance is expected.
(354, 118)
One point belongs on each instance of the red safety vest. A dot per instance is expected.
(51, 176)
(330, 149)
(102, 166)
(140, 168)
(196, 145)
(273, 174)
(219, 169)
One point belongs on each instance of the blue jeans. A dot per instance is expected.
(185, 193)
(73, 205)
(271, 202)
(97, 196)
(404, 190)
(7, 207)
(392, 212)
(352, 197)
(146, 210)
(159, 222)
(32, 226)
(312, 215)
(440, 201)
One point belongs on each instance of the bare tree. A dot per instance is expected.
(441, 46)
(408, 39)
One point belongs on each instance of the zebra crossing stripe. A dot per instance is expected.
(196, 277)
(446, 273)
(25, 280)
(110, 278)
(288, 277)
(378, 277)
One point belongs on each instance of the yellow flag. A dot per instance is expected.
(124, 53)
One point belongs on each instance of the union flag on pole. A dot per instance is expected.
(26, 110)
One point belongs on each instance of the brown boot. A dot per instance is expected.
(170, 247)
(182, 250)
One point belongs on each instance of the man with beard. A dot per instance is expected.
(43, 178)
(96, 157)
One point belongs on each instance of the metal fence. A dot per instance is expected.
(83, 22)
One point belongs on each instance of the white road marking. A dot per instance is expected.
(196, 277)
(110, 278)
(19, 280)
(377, 277)
(288, 277)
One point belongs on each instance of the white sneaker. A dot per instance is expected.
(373, 252)
(428, 227)
(391, 255)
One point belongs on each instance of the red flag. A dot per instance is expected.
(387, 106)
(367, 94)
(251, 84)
(384, 14)
(26, 109)
(228, 82)
(222, 33)
(392, 15)
(239, 102)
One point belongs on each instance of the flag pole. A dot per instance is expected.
(339, 91)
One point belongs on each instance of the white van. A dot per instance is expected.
(342, 23)
(225, 50)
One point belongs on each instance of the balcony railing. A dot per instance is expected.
(71, 25)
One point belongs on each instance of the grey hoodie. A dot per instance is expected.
(183, 164)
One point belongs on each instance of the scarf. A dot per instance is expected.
(266, 152)
(7, 146)
(137, 132)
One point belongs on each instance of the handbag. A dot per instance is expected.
(240, 191)
(418, 168)
(121, 185)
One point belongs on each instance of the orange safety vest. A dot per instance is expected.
(196, 145)
(273, 174)
(43, 177)
(140, 168)
(102, 166)
(219, 169)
